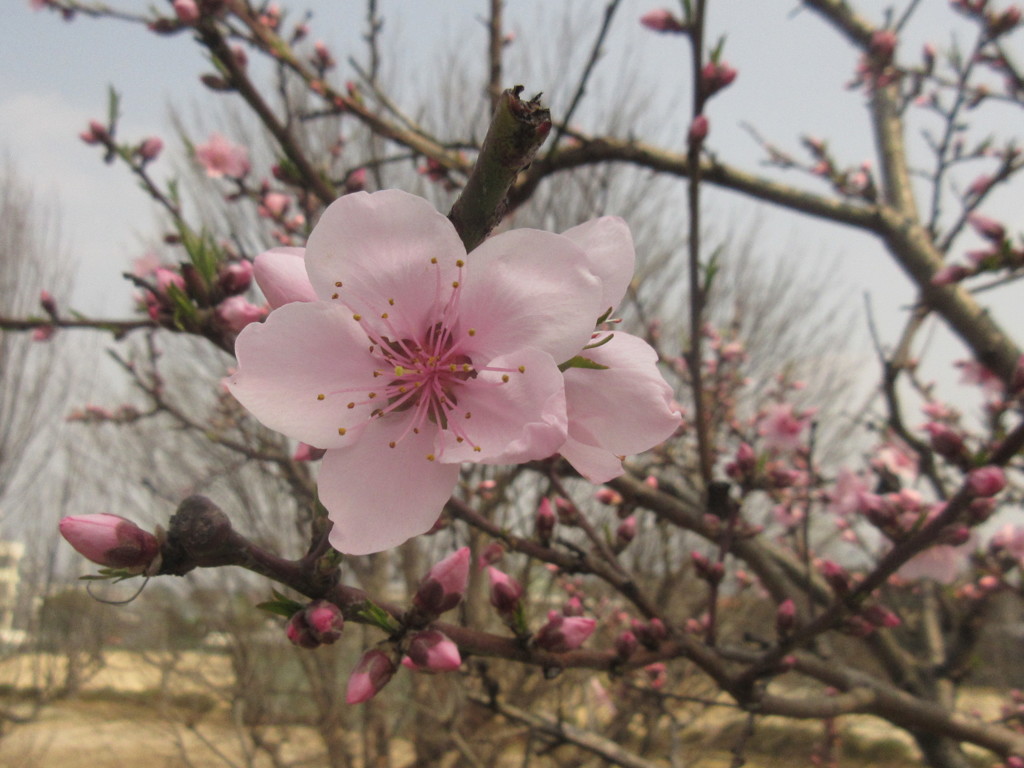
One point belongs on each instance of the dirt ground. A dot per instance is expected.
(163, 712)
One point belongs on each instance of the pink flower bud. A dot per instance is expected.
(235, 277)
(235, 312)
(150, 148)
(110, 541)
(626, 644)
(356, 180)
(880, 616)
(949, 274)
(298, 631)
(370, 675)
(433, 651)
(944, 440)
(573, 606)
(626, 531)
(167, 277)
(545, 521)
(563, 633)
(662, 20)
(785, 616)
(274, 205)
(883, 45)
(608, 496)
(324, 620)
(986, 481)
(505, 591)
(836, 576)
(48, 303)
(990, 229)
(187, 10)
(698, 130)
(715, 76)
(444, 586)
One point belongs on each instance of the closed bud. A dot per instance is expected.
(324, 620)
(150, 148)
(564, 633)
(836, 576)
(444, 585)
(370, 675)
(626, 531)
(986, 481)
(662, 20)
(880, 616)
(698, 131)
(298, 631)
(505, 591)
(48, 303)
(626, 644)
(545, 521)
(110, 541)
(433, 651)
(785, 617)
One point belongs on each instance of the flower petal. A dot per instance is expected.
(527, 288)
(378, 496)
(302, 351)
(281, 275)
(374, 253)
(608, 245)
(624, 409)
(519, 420)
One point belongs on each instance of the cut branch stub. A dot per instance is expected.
(518, 129)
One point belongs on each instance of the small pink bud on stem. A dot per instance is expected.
(110, 541)
(564, 633)
(370, 675)
(506, 592)
(545, 521)
(433, 651)
(444, 586)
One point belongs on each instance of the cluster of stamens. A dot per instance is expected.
(422, 374)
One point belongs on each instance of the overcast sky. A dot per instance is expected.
(54, 76)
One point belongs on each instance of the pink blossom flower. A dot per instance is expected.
(433, 651)
(564, 633)
(370, 675)
(781, 428)
(847, 495)
(43, 332)
(236, 312)
(444, 586)
(1010, 539)
(222, 158)
(438, 359)
(110, 540)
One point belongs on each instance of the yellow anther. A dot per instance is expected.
(372, 395)
(334, 295)
(391, 302)
(351, 405)
(476, 448)
(455, 283)
(391, 444)
(357, 318)
(460, 263)
(471, 331)
(337, 283)
(341, 430)
(468, 415)
(416, 430)
(320, 396)
(399, 370)
(522, 369)
(460, 440)
(434, 260)
(504, 378)
(384, 316)
(430, 457)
